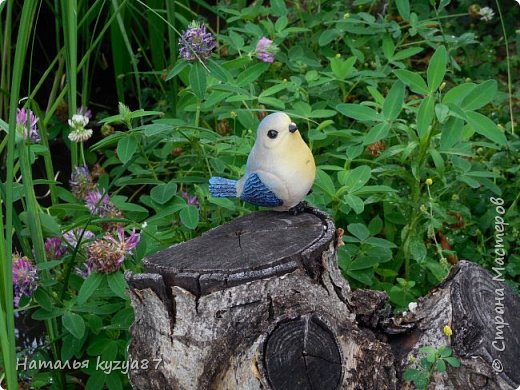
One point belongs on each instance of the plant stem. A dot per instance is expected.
(508, 61)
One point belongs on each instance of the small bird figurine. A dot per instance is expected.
(280, 169)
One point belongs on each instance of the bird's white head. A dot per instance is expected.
(275, 130)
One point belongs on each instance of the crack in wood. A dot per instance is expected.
(238, 234)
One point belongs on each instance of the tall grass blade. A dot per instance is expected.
(8, 341)
(69, 10)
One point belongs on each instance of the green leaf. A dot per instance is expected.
(358, 112)
(376, 133)
(113, 381)
(198, 80)
(271, 101)
(403, 6)
(219, 72)
(96, 381)
(451, 133)
(437, 68)
(486, 127)
(413, 80)
(365, 276)
(429, 350)
(375, 225)
(49, 264)
(123, 319)
(43, 299)
(74, 323)
(126, 148)
(273, 89)
(437, 159)
(411, 374)
(89, 286)
(281, 23)
(363, 263)
(356, 178)
(355, 202)
(327, 36)
(394, 101)
(388, 47)
(236, 40)
(278, 7)
(379, 242)
(452, 361)
(425, 116)
(417, 248)
(411, 51)
(368, 190)
(223, 202)
(50, 224)
(163, 192)
(178, 68)
(321, 113)
(458, 93)
(190, 217)
(251, 74)
(117, 283)
(324, 182)
(342, 68)
(359, 231)
(42, 314)
(441, 112)
(481, 95)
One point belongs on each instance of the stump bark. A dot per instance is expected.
(259, 303)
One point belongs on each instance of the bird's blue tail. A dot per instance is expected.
(220, 187)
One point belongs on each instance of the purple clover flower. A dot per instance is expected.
(196, 42)
(95, 204)
(103, 257)
(191, 200)
(81, 182)
(265, 50)
(84, 111)
(54, 248)
(24, 278)
(107, 254)
(72, 236)
(26, 121)
(125, 245)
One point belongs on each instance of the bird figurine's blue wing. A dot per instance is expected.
(257, 193)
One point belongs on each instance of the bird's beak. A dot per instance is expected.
(293, 127)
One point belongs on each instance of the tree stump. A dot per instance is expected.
(259, 303)
(256, 303)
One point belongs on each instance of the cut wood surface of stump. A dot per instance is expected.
(259, 303)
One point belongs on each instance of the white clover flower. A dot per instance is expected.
(78, 121)
(486, 14)
(80, 135)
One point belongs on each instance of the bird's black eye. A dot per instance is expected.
(272, 134)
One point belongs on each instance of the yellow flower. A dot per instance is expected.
(447, 330)
(429, 181)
